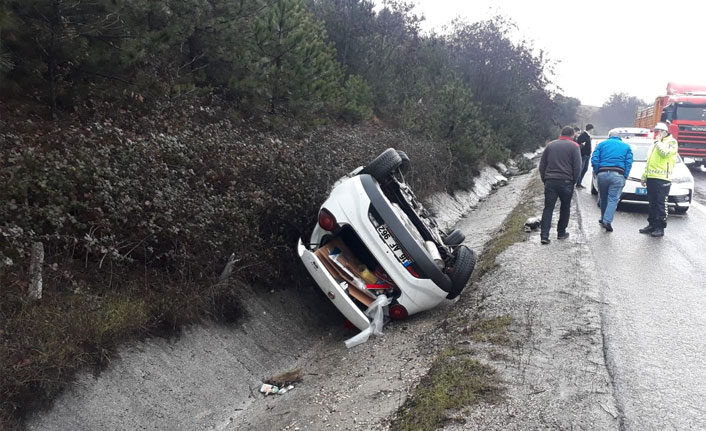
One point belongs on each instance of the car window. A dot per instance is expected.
(639, 152)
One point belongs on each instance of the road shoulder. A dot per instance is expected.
(549, 363)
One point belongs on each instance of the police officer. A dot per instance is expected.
(657, 178)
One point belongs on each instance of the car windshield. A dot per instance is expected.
(640, 151)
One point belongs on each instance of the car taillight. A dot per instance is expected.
(398, 312)
(326, 220)
(413, 272)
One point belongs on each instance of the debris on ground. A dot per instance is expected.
(285, 379)
(268, 389)
(532, 223)
(376, 312)
(501, 180)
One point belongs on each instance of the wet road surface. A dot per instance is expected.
(654, 311)
(699, 184)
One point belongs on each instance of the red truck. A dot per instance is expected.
(683, 108)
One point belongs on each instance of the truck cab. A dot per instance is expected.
(683, 108)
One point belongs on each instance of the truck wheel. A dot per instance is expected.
(455, 237)
(383, 165)
(462, 269)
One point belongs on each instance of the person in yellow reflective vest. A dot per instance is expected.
(657, 178)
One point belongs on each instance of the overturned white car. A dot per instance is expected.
(374, 238)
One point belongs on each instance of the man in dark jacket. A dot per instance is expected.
(559, 169)
(584, 141)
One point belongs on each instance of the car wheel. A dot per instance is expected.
(404, 166)
(383, 165)
(593, 189)
(681, 210)
(455, 237)
(463, 267)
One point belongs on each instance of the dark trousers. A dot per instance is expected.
(553, 189)
(657, 194)
(584, 168)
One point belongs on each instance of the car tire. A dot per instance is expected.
(681, 210)
(464, 263)
(404, 166)
(593, 189)
(383, 165)
(455, 237)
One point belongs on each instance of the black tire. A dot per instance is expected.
(593, 189)
(462, 269)
(383, 165)
(404, 166)
(681, 210)
(455, 237)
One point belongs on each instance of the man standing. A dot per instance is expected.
(559, 169)
(657, 178)
(612, 161)
(584, 141)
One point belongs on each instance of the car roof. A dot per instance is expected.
(638, 140)
(629, 131)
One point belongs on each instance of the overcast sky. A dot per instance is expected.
(601, 46)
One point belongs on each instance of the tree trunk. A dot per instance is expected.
(35, 271)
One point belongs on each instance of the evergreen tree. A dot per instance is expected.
(58, 44)
(294, 69)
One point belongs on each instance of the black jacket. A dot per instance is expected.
(584, 141)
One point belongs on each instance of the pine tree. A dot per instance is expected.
(294, 68)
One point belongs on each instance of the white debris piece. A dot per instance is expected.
(376, 312)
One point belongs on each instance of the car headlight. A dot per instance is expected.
(681, 180)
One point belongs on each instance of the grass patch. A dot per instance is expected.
(492, 330)
(512, 230)
(454, 381)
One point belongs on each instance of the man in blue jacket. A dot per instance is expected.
(612, 161)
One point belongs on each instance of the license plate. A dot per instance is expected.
(640, 191)
(392, 244)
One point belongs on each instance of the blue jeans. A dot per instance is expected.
(610, 186)
(584, 159)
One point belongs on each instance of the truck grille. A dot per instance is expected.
(692, 143)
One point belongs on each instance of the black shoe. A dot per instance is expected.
(562, 235)
(608, 227)
(647, 229)
(658, 231)
(600, 222)
(579, 186)
(545, 240)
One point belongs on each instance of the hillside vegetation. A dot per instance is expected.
(143, 143)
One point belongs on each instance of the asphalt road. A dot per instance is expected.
(653, 312)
